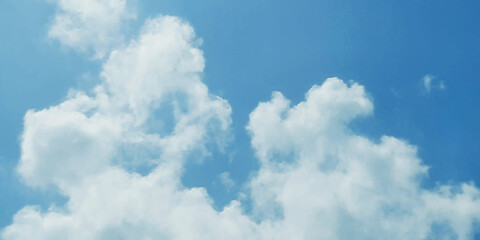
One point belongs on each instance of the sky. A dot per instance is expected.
(247, 119)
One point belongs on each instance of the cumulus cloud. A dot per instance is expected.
(320, 180)
(75, 148)
(428, 83)
(91, 24)
(317, 179)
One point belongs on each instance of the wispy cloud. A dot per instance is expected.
(429, 83)
(226, 180)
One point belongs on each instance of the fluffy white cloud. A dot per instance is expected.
(62, 144)
(121, 205)
(160, 70)
(91, 24)
(320, 180)
(75, 147)
(317, 179)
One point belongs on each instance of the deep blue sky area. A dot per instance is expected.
(254, 47)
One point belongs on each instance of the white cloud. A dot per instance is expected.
(320, 180)
(428, 83)
(75, 147)
(91, 24)
(62, 144)
(317, 179)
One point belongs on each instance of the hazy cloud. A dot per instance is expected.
(429, 83)
(226, 180)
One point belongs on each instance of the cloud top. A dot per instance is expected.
(320, 180)
(96, 25)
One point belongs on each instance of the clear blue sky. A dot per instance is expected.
(254, 47)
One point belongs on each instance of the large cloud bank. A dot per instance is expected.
(317, 178)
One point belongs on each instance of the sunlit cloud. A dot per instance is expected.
(317, 178)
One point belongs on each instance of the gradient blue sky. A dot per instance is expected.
(255, 47)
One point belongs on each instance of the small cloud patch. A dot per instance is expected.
(226, 180)
(430, 83)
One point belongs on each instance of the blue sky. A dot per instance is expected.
(252, 48)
